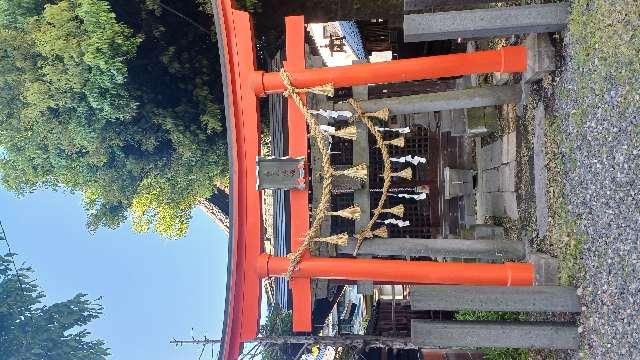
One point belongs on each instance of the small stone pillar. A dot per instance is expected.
(457, 182)
(541, 55)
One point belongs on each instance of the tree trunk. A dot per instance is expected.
(217, 208)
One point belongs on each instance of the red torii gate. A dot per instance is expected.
(243, 84)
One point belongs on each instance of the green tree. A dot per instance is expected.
(131, 121)
(278, 322)
(15, 14)
(176, 77)
(30, 330)
(67, 107)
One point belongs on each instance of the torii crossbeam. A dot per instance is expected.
(243, 84)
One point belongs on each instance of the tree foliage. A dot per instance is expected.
(118, 101)
(278, 322)
(14, 14)
(496, 353)
(30, 330)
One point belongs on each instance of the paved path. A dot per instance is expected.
(496, 164)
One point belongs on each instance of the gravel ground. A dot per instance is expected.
(598, 109)
(602, 164)
(592, 106)
(593, 153)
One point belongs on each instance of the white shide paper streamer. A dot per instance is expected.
(415, 160)
(400, 223)
(328, 129)
(410, 196)
(404, 130)
(331, 113)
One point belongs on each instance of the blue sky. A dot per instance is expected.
(153, 289)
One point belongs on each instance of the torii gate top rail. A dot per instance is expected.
(242, 83)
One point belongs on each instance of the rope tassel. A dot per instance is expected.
(380, 232)
(349, 213)
(406, 173)
(399, 142)
(380, 114)
(326, 89)
(332, 113)
(358, 172)
(350, 132)
(396, 210)
(340, 239)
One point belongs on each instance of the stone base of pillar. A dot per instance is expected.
(546, 269)
(541, 57)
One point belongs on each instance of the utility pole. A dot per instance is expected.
(204, 341)
(358, 341)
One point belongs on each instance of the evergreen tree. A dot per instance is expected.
(118, 103)
(30, 330)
